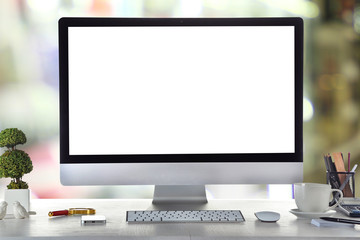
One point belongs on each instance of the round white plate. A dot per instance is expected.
(300, 214)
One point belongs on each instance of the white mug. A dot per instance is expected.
(314, 197)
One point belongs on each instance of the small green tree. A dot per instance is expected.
(14, 163)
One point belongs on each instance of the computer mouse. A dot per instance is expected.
(267, 216)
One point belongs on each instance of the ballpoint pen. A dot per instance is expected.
(341, 220)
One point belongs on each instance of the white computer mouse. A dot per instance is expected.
(267, 216)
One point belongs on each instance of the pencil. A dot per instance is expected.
(348, 161)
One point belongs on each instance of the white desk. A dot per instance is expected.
(289, 226)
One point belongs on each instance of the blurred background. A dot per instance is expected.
(29, 82)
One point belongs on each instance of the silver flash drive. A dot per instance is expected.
(93, 219)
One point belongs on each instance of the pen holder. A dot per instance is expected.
(344, 181)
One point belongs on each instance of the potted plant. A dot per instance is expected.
(14, 163)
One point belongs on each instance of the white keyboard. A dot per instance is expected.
(185, 216)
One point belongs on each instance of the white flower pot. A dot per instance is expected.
(20, 195)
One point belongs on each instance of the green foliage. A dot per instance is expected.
(11, 137)
(14, 163)
(20, 185)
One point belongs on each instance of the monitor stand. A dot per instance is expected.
(179, 194)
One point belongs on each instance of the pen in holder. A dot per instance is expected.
(344, 181)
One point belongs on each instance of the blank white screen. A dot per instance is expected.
(174, 90)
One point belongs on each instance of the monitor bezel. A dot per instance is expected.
(66, 158)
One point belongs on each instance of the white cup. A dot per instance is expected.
(314, 197)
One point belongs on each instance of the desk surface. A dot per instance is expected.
(289, 226)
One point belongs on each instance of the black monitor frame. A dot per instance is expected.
(66, 158)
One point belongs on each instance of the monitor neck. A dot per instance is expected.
(179, 194)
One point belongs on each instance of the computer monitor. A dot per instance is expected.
(180, 101)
